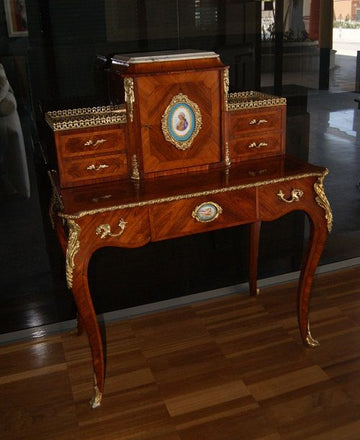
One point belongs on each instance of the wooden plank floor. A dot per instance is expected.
(226, 369)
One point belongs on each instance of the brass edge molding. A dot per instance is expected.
(170, 132)
(72, 249)
(185, 196)
(129, 96)
(250, 99)
(85, 111)
(226, 87)
(322, 200)
(85, 117)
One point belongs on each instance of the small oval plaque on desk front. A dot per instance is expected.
(207, 212)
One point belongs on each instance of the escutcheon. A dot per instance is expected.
(207, 212)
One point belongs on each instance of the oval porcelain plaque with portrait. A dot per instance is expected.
(181, 121)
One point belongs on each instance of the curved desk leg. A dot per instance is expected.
(317, 239)
(253, 256)
(77, 260)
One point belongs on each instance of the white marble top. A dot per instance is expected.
(168, 55)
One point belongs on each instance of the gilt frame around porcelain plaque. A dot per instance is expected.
(181, 121)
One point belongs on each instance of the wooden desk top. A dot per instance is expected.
(91, 199)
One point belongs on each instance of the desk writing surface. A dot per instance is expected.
(127, 193)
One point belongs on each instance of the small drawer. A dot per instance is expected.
(90, 142)
(84, 170)
(256, 146)
(276, 199)
(202, 214)
(254, 121)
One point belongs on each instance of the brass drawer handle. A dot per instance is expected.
(91, 143)
(207, 212)
(93, 167)
(105, 229)
(295, 196)
(258, 121)
(259, 145)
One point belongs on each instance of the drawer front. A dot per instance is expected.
(256, 146)
(277, 199)
(81, 171)
(254, 121)
(91, 142)
(202, 214)
(123, 227)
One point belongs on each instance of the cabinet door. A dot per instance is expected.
(195, 96)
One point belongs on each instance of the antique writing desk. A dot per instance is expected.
(157, 178)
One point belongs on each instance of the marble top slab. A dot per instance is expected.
(160, 56)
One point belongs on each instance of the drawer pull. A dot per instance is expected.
(105, 229)
(91, 143)
(93, 167)
(295, 196)
(258, 121)
(207, 212)
(259, 145)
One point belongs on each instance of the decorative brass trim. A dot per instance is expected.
(259, 145)
(52, 206)
(227, 155)
(226, 87)
(181, 144)
(251, 99)
(91, 143)
(322, 200)
(85, 117)
(258, 121)
(310, 341)
(85, 111)
(129, 96)
(93, 167)
(135, 168)
(95, 401)
(210, 215)
(58, 203)
(295, 194)
(104, 230)
(186, 196)
(73, 247)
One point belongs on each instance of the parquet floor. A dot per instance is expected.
(226, 369)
